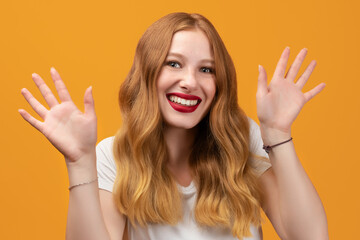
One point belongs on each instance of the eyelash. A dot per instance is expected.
(172, 63)
(207, 70)
(202, 69)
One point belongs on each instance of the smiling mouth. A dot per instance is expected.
(183, 102)
(183, 99)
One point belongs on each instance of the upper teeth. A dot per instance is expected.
(183, 101)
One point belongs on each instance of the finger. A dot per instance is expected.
(60, 86)
(262, 82)
(305, 76)
(89, 102)
(281, 66)
(294, 68)
(313, 92)
(35, 104)
(30, 119)
(45, 91)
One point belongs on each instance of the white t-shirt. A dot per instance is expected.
(187, 228)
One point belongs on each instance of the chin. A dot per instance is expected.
(178, 123)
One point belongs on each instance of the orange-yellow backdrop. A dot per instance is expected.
(93, 44)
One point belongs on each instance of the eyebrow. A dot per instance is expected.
(179, 55)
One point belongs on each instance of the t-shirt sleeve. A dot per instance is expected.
(259, 158)
(105, 163)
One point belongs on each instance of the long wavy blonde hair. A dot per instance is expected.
(145, 191)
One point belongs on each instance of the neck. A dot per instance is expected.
(179, 144)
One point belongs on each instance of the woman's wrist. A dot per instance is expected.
(83, 170)
(272, 136)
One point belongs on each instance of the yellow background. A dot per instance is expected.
(93, 43)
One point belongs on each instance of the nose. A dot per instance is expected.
(188, 81)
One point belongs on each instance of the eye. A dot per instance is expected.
(173, 64)
(207, 70)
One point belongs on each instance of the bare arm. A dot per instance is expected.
(74, 134)
(85, 218)
(114, 220)
(291, 201)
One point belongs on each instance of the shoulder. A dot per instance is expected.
(255, 137)
(104, 151)
(253, 126)
(106, 142)
(258, 157)
(105, 146)
(105, 163)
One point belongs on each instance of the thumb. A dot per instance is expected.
(262, 82)
(89, 102)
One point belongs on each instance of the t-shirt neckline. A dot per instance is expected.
(187, 190)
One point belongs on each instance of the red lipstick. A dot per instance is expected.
(182, 108)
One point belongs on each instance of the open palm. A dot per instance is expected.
(279, 103)
(72, 132)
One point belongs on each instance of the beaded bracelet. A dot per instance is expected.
(76, 185)
(268, 148)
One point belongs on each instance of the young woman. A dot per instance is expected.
(187, 163)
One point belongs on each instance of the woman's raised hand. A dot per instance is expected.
(72, 132)
(279, 103)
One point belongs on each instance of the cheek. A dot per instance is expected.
(163, 83)
(160, 87)
(210, 89)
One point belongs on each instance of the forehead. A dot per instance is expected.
(193, 43)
